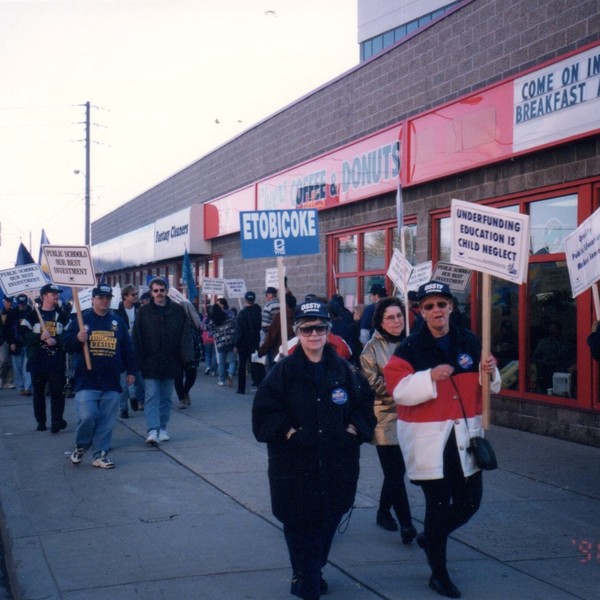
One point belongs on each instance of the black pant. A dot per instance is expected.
(185, 382)
(309, 546)
(393, 490)
(449, 503)
(55, 380)
(257, 371)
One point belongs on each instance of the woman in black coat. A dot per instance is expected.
(313, 412)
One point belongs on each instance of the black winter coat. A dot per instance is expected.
(162, 340)
(313, 475)
(247, 332)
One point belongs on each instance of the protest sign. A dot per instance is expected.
(420, 274)
(456, 277)
(582, 249)
(70, 265)
(213, 286)
(21, 279)
(279, 233)
(399, 270)
(236, 288)
(490, 240)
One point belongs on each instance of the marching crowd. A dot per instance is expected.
(346, 378)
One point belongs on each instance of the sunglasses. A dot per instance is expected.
(159, 291)
(431, 305)
(306, 330)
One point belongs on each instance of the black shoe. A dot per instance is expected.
(55, 429)
(296, 586)
(408, 534)
(63, 424)
(41, 427)
(443, 586)
(124, 414)
(386, 521)
(134, 404)
(239, 392)
(421, 541)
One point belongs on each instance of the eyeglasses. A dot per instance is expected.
(159, 291)
(133, 294)
(431, 305)
(397, 317)
(306, 330)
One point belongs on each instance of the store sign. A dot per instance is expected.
(360, 170)
(70, 265)
(557, 102)
(172, 235)
(490, 240)
(21, 279)
(456, 277)
(582, 249)
(279, 233)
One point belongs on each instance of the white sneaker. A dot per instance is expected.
(152, 437)
(103, 462)
(163, 436)
(77, 455)
(221, 383)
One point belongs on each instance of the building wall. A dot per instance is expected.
(483, 42)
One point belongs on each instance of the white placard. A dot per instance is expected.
(456, 277)
(272, 277)
(85, 298)
(213, 286)
(582, 248)
(420, 274)
(70, 265)
(22, 278)
(176, 295)
(398, 273)
(490, 240)
(236, 288)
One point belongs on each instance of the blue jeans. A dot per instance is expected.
(21, 376)
(96, 415)
(157, 405)
(210, 357)
(226, 361)
(136, 390)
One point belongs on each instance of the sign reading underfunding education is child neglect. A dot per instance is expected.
(279, 233)
(490, 240)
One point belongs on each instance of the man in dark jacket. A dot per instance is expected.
(247, 340)
(163, 344)
(313, 413)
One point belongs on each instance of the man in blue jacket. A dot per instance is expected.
(97, 390)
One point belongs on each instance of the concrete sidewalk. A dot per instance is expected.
(191, 519)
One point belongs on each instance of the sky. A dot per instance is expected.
(158, 75)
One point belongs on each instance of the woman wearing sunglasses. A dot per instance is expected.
(388, 323)
(313, 412)
(432, 373)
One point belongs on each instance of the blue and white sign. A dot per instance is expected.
(276, 233)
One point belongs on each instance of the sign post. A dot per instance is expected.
(72, 266)
(494, 242)
(279, 233)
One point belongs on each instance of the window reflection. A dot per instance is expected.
(374, 250)
(504, 327)
(347, 253)
(550, 221)
(551, 330)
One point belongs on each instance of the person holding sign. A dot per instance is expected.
(435, 378)
(46, 358)
(313, 413)
(98, 390)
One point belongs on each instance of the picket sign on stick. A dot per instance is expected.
(282, 305)
(494, 242)
(86, 348)
(486, 322)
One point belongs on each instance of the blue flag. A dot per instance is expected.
(23, 256)
(188, 277)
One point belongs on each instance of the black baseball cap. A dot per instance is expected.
(434, 288)
(250, 296)
(102, 290)
(50, 288)
(312, 310)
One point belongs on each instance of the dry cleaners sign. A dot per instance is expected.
(279, 233)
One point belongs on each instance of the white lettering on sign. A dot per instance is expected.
(278, 224)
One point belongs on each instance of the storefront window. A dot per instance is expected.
(410, 242)
(551, 330)
(347, 253)
(504, 330)
(374, 250)
(550, 221)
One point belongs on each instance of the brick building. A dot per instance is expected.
(492, 102)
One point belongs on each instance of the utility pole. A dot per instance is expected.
(87, 174)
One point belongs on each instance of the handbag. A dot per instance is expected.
(479, 447)
(483, 453)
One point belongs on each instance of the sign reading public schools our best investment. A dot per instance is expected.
(490, 240)
(279, 233)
